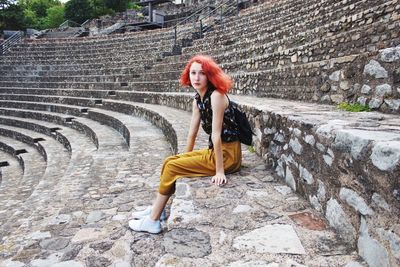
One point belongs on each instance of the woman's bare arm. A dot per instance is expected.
(194, 127)
(218, 104)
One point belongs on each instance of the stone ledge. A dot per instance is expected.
(39, 127)
(32, 141)
(253, 219)
(344, 163)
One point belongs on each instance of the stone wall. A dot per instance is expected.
(349, 174)
(345, 164)
(295, 55)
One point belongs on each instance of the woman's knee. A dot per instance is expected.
(168, 159)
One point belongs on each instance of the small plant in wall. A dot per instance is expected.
(251, 149)
(133, 6)
(354, 107)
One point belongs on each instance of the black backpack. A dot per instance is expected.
(245, 132)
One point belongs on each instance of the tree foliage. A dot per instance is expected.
(100, 8)
(55, 16)
(11, 16)
(78, 10)
(41, 14)
(6, 3)
(117, 5)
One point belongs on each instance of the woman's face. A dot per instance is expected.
(198, 78)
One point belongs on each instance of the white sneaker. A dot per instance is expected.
(146, 212)
(145, 225)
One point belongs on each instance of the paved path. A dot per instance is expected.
(80, 219)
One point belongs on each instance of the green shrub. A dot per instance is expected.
(355, 107)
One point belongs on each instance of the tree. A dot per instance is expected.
(11, 16)
(117, 5)
(31, 19)
(55, 16)
(40, 6)
(35, 12)
(6, 3)
(100, 8)
(78, 10)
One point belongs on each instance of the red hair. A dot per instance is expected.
(215, 75)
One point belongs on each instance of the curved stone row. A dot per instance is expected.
(105, 39)
(313, 127)
(16, 190)
(67, 72)
(25, 155)
(133, 163)
(10, 167)
(85, 221)
(115, 120)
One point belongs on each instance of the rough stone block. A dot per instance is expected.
(270, 239)
(306, 175)
(375, 103)
(296, 146)
(370, 249)
(187, 243)
(393, 239)
(393, 104)
(390, 54)
(374, 69)
(355, 201)
(366, 89)
(338, 219)
(386, 155)
(383, 90)
(352, 141)
(289, 178)
(380, 202)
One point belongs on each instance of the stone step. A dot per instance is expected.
(300, 134)
(72, 79)
(95, 125)
(127, 58)
(254, 220)
(77, 85)
(103, 113)
(100, 78)
(84, 50)
(10, 169)
(136, 63)
(98, 94)
(314, 44)
(14, 192)
(136, 37)
(33, 165)
(19, 71)
(304, 20)
(117, 52)
(97, 193)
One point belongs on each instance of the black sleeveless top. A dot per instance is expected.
(230, 131)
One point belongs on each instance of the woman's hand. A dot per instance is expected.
(219, 179)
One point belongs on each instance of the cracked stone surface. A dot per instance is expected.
(250, 221)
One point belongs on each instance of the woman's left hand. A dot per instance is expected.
(219, 179)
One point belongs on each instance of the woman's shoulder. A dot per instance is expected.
(218, 98)
(217, 94)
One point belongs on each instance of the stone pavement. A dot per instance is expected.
(79, 217)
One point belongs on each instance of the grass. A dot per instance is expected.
(356, 107)
(251, 149)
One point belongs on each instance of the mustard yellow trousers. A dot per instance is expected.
(197, 163)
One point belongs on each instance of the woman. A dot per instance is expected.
(211, 107)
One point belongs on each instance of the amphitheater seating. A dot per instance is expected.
(314, 52)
